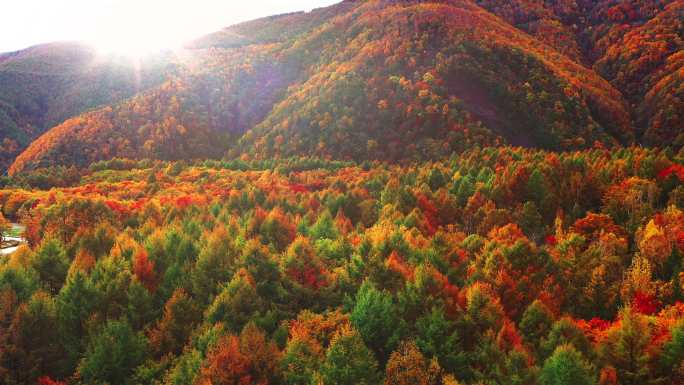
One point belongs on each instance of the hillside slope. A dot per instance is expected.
(375, 80)
(216, 97)
(637, 45)
(426, 78)
(43, 85)
(647, 65)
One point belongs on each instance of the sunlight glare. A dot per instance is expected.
(134, 45)
(135, 28)
(133, 32)
(130, 27)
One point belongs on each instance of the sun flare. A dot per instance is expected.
(135, 44)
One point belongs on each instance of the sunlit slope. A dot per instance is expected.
(197, 114)
(44, 85)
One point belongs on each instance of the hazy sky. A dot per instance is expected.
(130, 24)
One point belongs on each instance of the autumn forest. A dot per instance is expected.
(455, 192)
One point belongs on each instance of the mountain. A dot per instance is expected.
(637, 45)
(647, 64)
(426, 78)
(399, 80)
(216, 96)
(46, 84)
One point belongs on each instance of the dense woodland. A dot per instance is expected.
(495, 266)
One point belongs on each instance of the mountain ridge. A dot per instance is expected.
(551, 102)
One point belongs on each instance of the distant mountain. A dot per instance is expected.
(42, 86)
(216, 96)
(398, 80)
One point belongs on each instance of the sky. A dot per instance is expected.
(143, 25)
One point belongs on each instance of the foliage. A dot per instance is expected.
(113, 354)
(278, 261)
(566, 366)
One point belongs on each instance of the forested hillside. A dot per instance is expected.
(42, 86)
(497, 266)
(637, 45)
(367, 80)
(361, 80)
(217, 97)
(423, 80)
